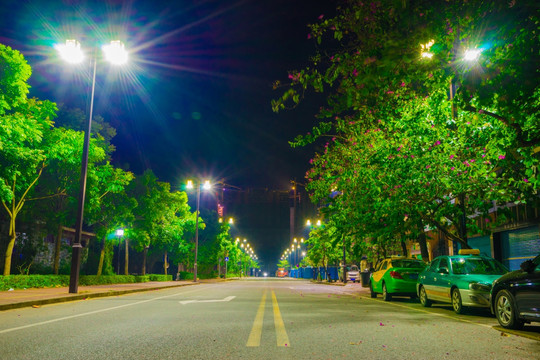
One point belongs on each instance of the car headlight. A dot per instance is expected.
(480, 287)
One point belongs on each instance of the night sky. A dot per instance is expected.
(195, 98)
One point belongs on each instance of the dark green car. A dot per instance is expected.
(461, 280)
(395, 276)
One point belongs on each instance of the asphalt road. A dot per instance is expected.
(254, 319)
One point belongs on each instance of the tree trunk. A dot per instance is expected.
(126, 257)
(165, 264)
(404, 248)
(145, 252)
(423, 242)
(57, 248)
(9, 250)
(101, 256)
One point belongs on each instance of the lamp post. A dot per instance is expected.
(469, 55)
(72, 53)
(206, 185)
(119, 233)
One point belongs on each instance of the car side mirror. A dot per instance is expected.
(528, 266)
(443, 270)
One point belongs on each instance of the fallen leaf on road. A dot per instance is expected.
(36, 306)
(381, 324)
(504, 334)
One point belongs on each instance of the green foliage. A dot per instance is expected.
(159, 277)
(32, 281)
(284, 264)
(398, 155)
(185, 275)
(14, 74)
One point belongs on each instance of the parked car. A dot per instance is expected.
(462, 280)
(353, 273)
(395, 276)
(515, 297)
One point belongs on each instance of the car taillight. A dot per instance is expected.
(395, 275)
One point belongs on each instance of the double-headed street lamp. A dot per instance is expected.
(206, 186)
(71, 52)
(470, 56)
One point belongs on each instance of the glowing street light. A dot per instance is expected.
(71, 52)
(119, 233)
(115, 53)
(426, 53)
(206, 185)
(472, 54)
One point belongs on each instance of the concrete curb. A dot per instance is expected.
(76, 297)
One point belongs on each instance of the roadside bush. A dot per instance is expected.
(45, 281)
(159, 277)
(32, 281)
(185, 275)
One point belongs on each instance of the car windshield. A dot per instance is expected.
(408, 264)
(478, 266)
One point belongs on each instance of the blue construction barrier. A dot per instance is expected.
(308, 273)
(292, 273)
(312, 273)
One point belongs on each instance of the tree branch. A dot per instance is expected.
(519, 132)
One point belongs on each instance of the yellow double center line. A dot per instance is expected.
(256, 331)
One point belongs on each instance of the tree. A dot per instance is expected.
(28, 142)
(322, 249)
(109, 207)
(400, 154)
(161, 217)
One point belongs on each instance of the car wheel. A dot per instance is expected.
(505, 311)
(456, 301)
(385, 295)
(423, 298)
(372, 293)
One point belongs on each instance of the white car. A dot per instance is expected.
(353, 273)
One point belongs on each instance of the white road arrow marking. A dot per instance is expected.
(228, 298)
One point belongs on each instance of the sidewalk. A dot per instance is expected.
(41, 296)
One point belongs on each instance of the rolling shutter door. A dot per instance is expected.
(520, 245)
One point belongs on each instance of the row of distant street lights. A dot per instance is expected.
(246, 247)
(200, 185)
(297, 245)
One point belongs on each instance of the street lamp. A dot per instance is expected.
(206, 186)
(71, 52)
(470, 56)
(119, 233)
